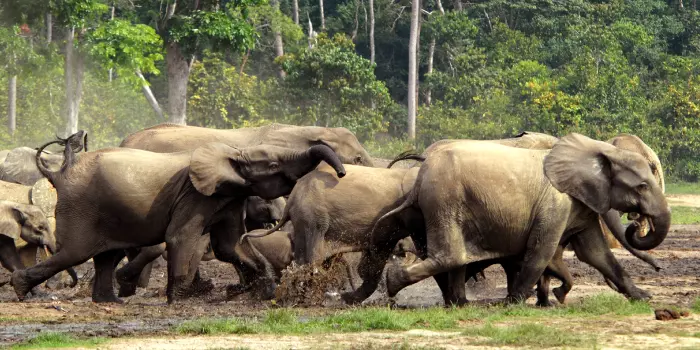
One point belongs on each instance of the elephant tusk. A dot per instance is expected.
(651, 224)
(47, 251)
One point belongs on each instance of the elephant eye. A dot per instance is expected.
(358, 159)
(642, 187)
(274, 167)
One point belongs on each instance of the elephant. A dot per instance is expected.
(19, 166)
(166, 137)
(333, 217)
(558, 268)
(259, 213)
(118, 198)
(533, 200)
(27, 225)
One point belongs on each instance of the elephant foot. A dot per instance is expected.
(516, 298)
(234, 290)
(394, 280)
(200, 287)
(106, 298)
(20, 284)
(638, 295)
(352, 298)
(126, 288)
(266, 289)
(544, 303)
(458, 302)
(560, 294)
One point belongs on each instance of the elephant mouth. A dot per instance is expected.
(643, 222)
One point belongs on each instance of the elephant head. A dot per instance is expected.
(343, 142)
(20, 165)
(27, 222)
(265, 171)
(262, 213)
(605, 177)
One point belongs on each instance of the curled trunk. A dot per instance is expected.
(612, 221)
(324, 153)
(660, 226)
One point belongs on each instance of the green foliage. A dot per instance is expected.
(333, 86)
(127, 47)
(17, 54)
(58, 340)
(211, 30)
(78, 13)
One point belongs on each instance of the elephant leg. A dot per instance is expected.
(539, 252)
(558, 269)
(24, 280)
(102, 285)
(9, 258)
(511, 269)
(352, 274)
(591, 248)
(129, 274)
(183, 259)
(456, 287)
(370, 270)
(446, 251)
(200, 286)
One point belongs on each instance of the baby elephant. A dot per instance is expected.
(26, 222)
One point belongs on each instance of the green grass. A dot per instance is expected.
(287, 321)
(696, 305)
(685, 215)
(58, 340)
(683, 188)
(529, 334)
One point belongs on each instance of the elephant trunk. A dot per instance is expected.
(660, 225)
(324, 153)
(612, 220)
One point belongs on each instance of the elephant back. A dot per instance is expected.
(20, 165)
(44, 195)
(15, 192)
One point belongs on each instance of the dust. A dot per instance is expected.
(308, 285)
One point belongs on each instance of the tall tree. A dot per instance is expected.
(371, 31)
(323, 17)
(431, 54)
(413, 68)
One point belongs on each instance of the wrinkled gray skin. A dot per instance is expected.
(23, 222)
(167, 137)
(565, 190)
(333, 216)
(557, 268)
(115, 199)
(20, 167)
(260, 213)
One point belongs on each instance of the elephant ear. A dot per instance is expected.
(581, 168)
(214, 168)
(11, 220)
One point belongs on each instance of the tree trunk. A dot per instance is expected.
(295, 13)
(111, 72)
(74, 83)
(431, 56)
(458, 5)
(413, 68)
(49, 27)
(323, 18)
(371, 31)
(149, 96)
(279, 44)
(12, 105)
(353, 37)
(178, 75)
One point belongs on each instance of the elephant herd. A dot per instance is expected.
(191, 194)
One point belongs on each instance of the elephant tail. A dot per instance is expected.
(408, 155)
(73, 144)
(283, 221)
(73, 276)
(410, 200)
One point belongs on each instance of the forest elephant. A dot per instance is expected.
(167, 137)
(564, 189)
(557, 267)
(332, 217)
(118, 198)
(24, 223)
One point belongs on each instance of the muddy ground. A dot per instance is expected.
(147, 313)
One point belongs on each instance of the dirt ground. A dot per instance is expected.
(147, 315)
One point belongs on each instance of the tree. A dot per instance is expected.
(413, 68)
(17, 57)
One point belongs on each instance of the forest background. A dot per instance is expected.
(483, 69)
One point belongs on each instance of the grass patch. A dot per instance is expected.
(58, 340)
(696, 305)
(288, 321)
(685, 215)
(683, 188)
(531, 334)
